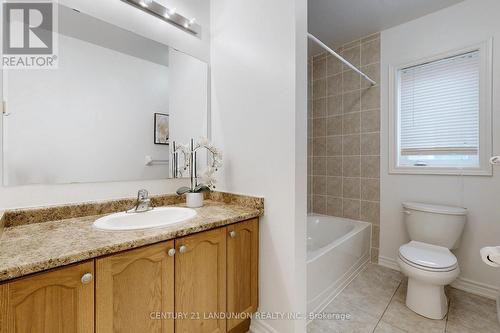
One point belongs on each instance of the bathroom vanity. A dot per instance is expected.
(67, 276)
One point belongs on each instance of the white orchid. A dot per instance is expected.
(206, 180)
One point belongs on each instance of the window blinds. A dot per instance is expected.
(439, 107)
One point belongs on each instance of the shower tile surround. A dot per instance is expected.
(344, 135)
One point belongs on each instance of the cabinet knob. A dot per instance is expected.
(232, 234)
(182, 249)
(171, 252)
(87, 278)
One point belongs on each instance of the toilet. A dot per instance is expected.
(426, 260)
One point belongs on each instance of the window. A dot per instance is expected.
(441, 115)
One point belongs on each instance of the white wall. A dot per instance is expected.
(259, 59)
(453, 28)
(127, 17)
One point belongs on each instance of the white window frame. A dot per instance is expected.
(485, 115)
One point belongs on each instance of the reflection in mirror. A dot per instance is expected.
(93, 118)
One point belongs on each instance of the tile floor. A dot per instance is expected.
(375, 300)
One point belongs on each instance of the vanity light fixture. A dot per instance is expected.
(167, 14)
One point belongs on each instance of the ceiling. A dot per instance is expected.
(339, 21)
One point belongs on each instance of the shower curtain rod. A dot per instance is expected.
(335, 54)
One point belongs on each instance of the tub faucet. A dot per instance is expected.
(143, 203)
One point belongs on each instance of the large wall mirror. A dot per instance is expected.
(109, 112)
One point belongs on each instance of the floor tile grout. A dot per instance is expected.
(398, 318)
(447, 314)
(389, 303)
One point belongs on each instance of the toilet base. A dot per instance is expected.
(428, 300)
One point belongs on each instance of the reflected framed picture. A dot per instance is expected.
(161, 129)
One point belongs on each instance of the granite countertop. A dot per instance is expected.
(34, 247)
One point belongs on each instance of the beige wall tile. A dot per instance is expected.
(370, 52)
(319, 166)
(374, 257)
(351, 208)
(373, 71)
(370, 144)
(370, 166)
(351, 188)
(344, 124)
(353, 55)
(319, 146)
(334, 166)
(351, 144)
(319, 185)
(351, 166)
(333, 65)
(350, 81)
(319, 88)
(334, 186)
(319, 108)
(319, 127)
(319, 204)
(375, 236)
(319, 56)
(319, 68)
(351, 101)
(334, 145)
(334, 85)
(334, 206)
(350, 44)
(334, 125)
(370, 189)
(370, 37)
(370, 121)
(370, 211)
(351, 123)
(370, 98)
(334, 105)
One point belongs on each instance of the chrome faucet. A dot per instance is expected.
(143, 203)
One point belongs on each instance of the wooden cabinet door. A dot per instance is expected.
(200, 282)
(53, 302)
(242, 273)
(135, 291)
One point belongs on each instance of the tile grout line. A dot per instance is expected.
(389, 303)
(447, 314)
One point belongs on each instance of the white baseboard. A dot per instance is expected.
(388, 262)
(473, 287)
(259, 326)
(476, 288)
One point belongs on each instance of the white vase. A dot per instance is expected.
(194, 200)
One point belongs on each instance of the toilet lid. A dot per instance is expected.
(427, 255)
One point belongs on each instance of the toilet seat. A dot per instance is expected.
(428, 257)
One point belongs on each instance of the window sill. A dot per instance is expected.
(487, 172)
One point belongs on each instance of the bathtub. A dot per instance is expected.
(337, 249)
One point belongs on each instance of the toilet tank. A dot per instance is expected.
(434, 224)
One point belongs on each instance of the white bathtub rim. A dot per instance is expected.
(359, 226)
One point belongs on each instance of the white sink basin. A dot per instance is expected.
(156, 218)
